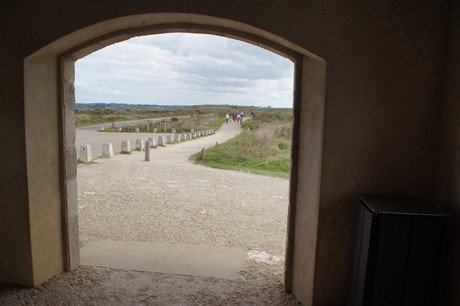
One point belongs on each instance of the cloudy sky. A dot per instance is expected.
(184, 69)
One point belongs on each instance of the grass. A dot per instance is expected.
(87, 117)
(264, 147)
(79, 161)
(210, 121)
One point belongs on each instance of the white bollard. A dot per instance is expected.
(177, 138)
(107, 150)
(161, 141)
(152, 142)
(85, 154)
(168, 139)
(147, 151)
(125, 147)
(155, 130)
(189, 136)
(139, 144)
(137, 130)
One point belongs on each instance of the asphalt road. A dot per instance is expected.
(89, 135)
(124, 123)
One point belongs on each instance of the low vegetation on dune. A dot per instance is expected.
(87, 117)
(263, 147)
(211, 121)
(106, 113)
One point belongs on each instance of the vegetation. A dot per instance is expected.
(87, 117)
(211, 121)
(263, 147)
(99, 113)
(79, 161)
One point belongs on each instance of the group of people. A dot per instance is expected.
(236, 117)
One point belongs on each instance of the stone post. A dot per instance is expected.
(147, 151)
(136, 130)
(155, 130)
(85, 154)
(152, 142)
(107, 150)
(139, 144)
(168, 139)
(177, 138)
(125, 147)
(161, 141)
(203, 154)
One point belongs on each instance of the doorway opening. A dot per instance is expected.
(49, 101)
(174, 216)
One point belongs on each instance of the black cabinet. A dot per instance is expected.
(398, 252)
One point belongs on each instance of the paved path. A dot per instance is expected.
(90, 136)
(124, 123)
(97, 139)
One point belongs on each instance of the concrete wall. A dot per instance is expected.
(385, 71)
(448, 182)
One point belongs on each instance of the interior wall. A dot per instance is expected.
(448, 183)
(384, 82)
(15, 254)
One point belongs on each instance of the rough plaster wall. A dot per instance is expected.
(448, 183)
(384, 71)
(44, 199)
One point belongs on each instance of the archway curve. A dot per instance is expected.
(49, 105)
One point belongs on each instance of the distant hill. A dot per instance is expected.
(157, 106)
(122, 106)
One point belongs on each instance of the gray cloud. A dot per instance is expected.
(185, 69)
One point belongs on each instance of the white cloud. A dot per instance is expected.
(185, 69)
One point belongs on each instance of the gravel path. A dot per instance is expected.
(172, 200)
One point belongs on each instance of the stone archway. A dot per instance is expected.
(50, 137)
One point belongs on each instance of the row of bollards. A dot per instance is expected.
(107, 148)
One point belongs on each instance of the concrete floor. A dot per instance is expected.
(184, 259)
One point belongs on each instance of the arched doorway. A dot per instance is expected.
(49, 101)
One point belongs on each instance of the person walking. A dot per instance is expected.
(226, 117)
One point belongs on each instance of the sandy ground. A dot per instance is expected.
(170, 199)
